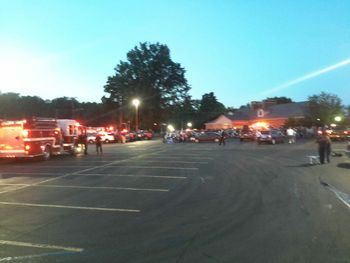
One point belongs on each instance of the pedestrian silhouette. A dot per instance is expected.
(98, 141)
(222, 138)
(324, 146)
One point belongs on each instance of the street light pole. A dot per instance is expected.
(136, 103)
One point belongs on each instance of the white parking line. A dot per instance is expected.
(154, 167)
(170, 161)
(68, 174)
(45, 246)
(27, 174)
(139, 175)
(97, 174)
(31, 257)
(181, 157)
(73, 207)
(50, 166)
(91, 187)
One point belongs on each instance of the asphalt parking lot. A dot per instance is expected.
(154, 202)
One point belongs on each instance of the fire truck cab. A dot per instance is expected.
(37, 137)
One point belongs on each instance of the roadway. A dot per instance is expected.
(153, 202)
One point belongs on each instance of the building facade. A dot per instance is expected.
(259, 114)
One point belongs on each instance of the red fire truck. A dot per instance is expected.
(38, 137)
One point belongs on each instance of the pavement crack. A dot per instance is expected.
(186, 248)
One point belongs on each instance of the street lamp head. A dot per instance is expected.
(189, 124)
(337, 118)
(136, 102)
(171, 128)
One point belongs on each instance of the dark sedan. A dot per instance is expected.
(272, 136)
(206, 137)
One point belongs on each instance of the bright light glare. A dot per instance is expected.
(33, 73)
(308, 76)
(136, 102)
(337, 118)
(171, 128)
(260, 125)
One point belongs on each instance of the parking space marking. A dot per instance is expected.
(26, 174)
(97, 174)
(154, 167)
(68, 174)
(16, 258)
(139, 175)
(170, 161)
(91, 187)
(73, 207)
(49, 166)
(44, 246)
(182, 157)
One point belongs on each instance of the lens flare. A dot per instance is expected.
(308, 76)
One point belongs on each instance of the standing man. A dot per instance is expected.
(98, 141)
(222, 138)
(291, 135)
(324, 146)
(84, 141)
(328, 147)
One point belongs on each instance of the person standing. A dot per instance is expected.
(291, 135)
(222, 138)
(328, 147)
(84, 141)
(98, 141)
(324, 147)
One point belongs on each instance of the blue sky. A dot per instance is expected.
(240, 50)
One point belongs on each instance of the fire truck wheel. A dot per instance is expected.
(47, 153)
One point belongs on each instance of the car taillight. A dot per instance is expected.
(345, 132)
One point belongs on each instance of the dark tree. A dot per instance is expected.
(280, 100)
(9, 106)
(323, 108)
(150, 75)
(65, 107)
(34, 106)
(209, 108)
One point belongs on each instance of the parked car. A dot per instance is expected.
(271, 136)
(206, 137)
(106, 137)
(91, 137)
(144, 135)
(339, 134)
(147, 135)
(247, 134)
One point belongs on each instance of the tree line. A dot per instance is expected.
(150, 75)
(14, 106)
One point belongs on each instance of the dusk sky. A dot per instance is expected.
(240, 50)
